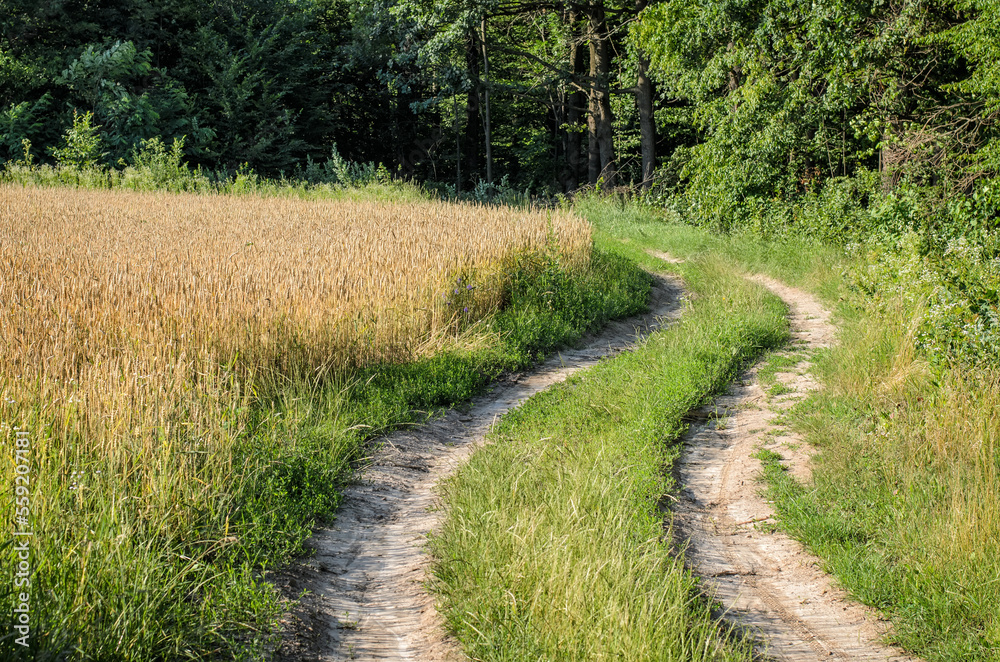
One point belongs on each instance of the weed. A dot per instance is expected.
(775, 363)
(779, 389)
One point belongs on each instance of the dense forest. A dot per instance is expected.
(451, 92)
(731, 102)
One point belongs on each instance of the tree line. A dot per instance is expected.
(453, 92)
(731, 103)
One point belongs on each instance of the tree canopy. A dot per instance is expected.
(728, 101)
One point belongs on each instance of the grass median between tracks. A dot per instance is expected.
(554, 545)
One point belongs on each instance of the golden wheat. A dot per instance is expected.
(134, 325)
(117, 289)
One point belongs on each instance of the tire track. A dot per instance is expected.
(768, 584)
(366, 598)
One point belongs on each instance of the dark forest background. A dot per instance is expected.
(731, 109)
(279, 85)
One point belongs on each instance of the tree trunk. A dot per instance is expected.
(458, 148)
(472, 140)
(593, 151)
(574, 109)
(600, 65)
(486, 107)
(644, 101)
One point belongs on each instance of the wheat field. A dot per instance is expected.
(118, 300)
(137, 329)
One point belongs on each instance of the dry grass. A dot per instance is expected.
(137, 328)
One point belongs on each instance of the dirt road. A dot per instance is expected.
(767, 582)
(367, 600)
(366, 596)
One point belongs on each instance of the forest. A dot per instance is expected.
(729, 107)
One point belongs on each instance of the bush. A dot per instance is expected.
(82, 145)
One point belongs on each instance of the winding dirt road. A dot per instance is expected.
(768, 583)
(366, 597)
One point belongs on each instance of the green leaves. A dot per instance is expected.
(81, 145)
(787, 94)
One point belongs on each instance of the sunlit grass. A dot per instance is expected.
(185, 366)
(905, 501)
(555, 544)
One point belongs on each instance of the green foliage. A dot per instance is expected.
(276, 85)
(791, 98)
(99, 75)
(249, 81)
(114, 82)
(975, 40)
(153, 167)
(22, 121)
(338, 171)
(82, 145)
(975, 218)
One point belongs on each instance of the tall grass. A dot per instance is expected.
(180, 363)
(905, 505)
(554, 545)
(905, 501)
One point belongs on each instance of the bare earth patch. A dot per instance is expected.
(769, 585)
(366, 598)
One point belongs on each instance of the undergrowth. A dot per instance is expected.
(154, 166)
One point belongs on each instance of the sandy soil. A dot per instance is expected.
(365, 581)
(768, 584)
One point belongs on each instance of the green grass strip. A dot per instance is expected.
(554, 545)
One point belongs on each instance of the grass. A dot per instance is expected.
(554, 545)
(777, 362)
(801, 262)
(904, 507)
(198, 373)
(778, 389)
